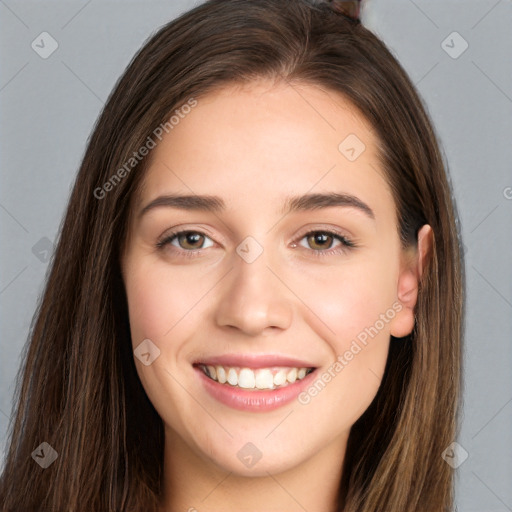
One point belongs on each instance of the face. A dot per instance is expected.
(294, 265)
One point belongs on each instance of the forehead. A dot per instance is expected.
(255, 143)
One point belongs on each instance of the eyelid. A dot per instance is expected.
(172, 234)
(184, 228)
(326, 229)
(346, 242)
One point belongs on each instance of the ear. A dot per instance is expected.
(412, 266)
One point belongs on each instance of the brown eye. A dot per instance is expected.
(186, 240)
(190, 240)
(325, 243)
(319, 240)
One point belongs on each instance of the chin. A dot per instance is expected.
(270, 462)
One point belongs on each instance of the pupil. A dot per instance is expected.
(192, 238)
(320, 238)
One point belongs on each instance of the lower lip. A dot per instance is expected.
(256, 400)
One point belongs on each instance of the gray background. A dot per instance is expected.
(48, 107)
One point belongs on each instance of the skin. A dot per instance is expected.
(253, 146)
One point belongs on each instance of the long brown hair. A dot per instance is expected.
(78, 389)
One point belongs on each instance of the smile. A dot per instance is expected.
(261, 378)
(254, 382)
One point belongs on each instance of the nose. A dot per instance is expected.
(254, 299)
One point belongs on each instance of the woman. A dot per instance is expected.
(257, 295)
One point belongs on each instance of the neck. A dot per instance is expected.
(193, 483)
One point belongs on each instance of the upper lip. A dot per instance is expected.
(254, 361)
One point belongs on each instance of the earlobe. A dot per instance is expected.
(408, 283)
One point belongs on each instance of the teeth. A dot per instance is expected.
(221, 374)
(263, 378)
(246, 379)
(232, 377)
(212, 372)
(291, 376)
(280, 378)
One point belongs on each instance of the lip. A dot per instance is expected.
(255, 361)
(257, 400)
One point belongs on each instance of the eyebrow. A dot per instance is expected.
(215, 204)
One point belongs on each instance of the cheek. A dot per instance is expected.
(355, 305)
(349, 298)
(159, 299)
(162, 308)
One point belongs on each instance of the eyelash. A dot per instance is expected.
(346, 244)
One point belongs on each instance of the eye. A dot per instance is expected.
(321, 242)
(186, 240)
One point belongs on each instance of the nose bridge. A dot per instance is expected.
(253, 298)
